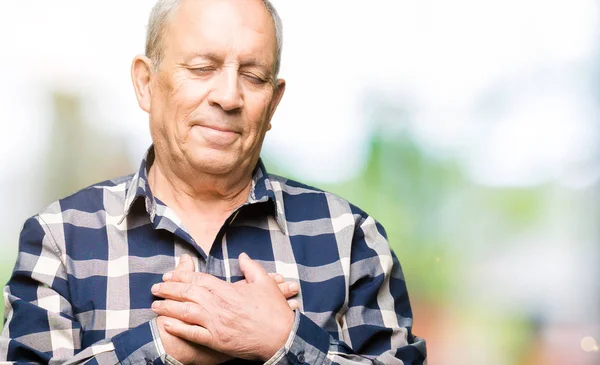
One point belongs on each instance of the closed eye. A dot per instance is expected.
(253, 78)
(202, 70)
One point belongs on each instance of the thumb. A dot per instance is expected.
(186, 264)
(251, 269)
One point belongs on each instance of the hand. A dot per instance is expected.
(187, 352)
(251, 320)
(184, 351)
(288, 289)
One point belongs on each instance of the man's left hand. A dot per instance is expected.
(249, 321)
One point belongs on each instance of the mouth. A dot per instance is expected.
(217, 128)
(217, 137)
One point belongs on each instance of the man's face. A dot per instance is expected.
(213, 95)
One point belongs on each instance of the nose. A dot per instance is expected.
(227, 93)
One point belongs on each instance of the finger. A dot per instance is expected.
(196, 278)
(277, 277)
(251, 269)
(188, 312)
(186, 263)
(182, 292)
(190, 332)
(293, 303)
(288, 289)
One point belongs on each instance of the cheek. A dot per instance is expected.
(185, 96)
(258, 112)
(177, 106)
(187, 91)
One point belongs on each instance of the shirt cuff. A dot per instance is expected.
(140, 344)
(306, 344)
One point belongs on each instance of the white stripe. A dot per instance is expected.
(98, 349)
(50, 303)
(118, 267)
(342, 222)
(226, 262)
(46, 266)
(52, 218)
(385, 300)
(62, 339)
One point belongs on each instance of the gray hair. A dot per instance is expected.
(164, 9)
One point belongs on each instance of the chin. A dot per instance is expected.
(214, 163)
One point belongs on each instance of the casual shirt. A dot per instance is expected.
(80, 289)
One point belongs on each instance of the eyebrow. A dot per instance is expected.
(213, 57)
(207, 56)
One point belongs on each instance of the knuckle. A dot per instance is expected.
(224, 336)
(198, 278)
(185, 276)
(182, 276)
(188, 293)
(285, 289)
(167, 308)
(193, 332)
(186, 311)
(175, 276)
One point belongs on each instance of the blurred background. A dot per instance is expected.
(468, 128)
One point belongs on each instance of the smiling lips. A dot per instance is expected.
(216, 136)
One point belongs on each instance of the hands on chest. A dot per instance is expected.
(203, 319)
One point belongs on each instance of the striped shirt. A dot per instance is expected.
(80, 289)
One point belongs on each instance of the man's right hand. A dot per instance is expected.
(184, 351)
(189, 353)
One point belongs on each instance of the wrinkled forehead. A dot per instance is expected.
(233, 29)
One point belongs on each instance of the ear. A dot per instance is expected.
(141, 73)
(277, 95)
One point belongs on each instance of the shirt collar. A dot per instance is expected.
(139, 188)
(263, 189)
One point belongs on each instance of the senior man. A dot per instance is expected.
(155, 267)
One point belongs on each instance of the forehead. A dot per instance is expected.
(238, 29)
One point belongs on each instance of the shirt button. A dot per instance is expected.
(149, 362)
(301, 358)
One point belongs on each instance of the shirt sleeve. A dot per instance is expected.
(40, 326)
(377, 326)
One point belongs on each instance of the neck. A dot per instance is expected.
(198, 193)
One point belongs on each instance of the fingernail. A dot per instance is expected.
(156, 304)
(244, 255)
(155, 288)
(167, 276)
(293, 286)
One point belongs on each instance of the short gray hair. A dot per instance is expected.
(164, 9)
